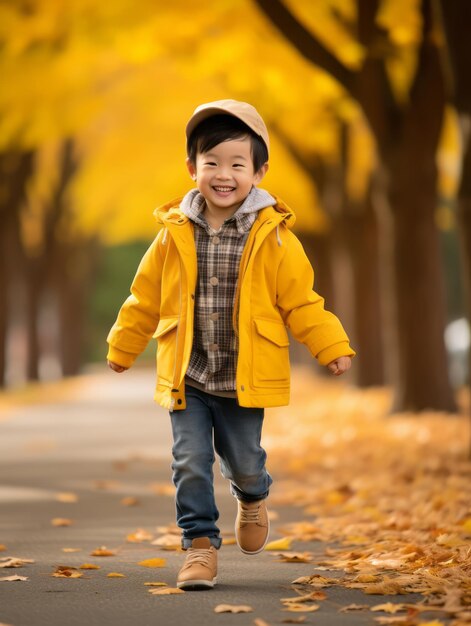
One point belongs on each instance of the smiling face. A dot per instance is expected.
(225, 174)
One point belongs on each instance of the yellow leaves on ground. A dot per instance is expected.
(13, 561)
(388, 607)
(115, 575)
(71, 549)
(156, 584)
(294, 557)
(279, 544)
(163, 489)
(65, 571)
(13, 578)
(139, 536)
(233, 608)
(392, 491)
(153, 563)
(102, 551)
(166, 591)
(89, 566)
(61, 521)
(129, 501)
(168, 541)
(66, 496)
(2, 547)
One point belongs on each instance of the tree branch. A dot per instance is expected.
(305, 43)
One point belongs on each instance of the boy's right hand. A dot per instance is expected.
(116, 368)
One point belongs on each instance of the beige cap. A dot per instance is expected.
(242, 110)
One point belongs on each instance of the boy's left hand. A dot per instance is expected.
(340, 365)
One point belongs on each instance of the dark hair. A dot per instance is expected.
(218, 128)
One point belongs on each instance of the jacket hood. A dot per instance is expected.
(259, 200)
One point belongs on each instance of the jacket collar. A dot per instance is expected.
(171, 213)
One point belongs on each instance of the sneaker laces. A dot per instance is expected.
(251, 515)
(202, 556)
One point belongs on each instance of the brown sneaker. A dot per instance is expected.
(252, 526)
(200, 568)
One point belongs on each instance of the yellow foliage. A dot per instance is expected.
(123, 80)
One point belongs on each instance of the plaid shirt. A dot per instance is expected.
(213, 360)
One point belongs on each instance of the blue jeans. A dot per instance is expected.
(237, 433)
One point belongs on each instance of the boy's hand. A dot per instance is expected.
(116, 368)
(340, 365)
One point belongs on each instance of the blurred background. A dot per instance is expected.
(368, 106)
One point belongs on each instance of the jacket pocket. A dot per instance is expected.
(270, 353)
(166, 335)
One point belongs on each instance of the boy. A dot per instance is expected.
(218, 288)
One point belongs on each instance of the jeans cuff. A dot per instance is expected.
(245, 497)
(215, 541)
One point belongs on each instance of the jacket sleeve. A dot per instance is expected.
(139, 315)
(303, 309)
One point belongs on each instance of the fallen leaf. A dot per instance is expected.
(294, 620)
(115, 575)
(233, 608)
(167, 591)
(310, 597)
(292, 606)
(66, 496)
(103, 551)
(13, 561)
(64, 571)
(2, 547)
(353, 607)
(153, 563)
(260, 622)
(139, 536)
(280, 544)
(389, 607)
(156, 584)
(316, 580)
(163, 489)
(61, 521)
(397, 621)
(105, 484)
(71, 549)
(294, 557)
(168, 541)
(229, 541)
(89, 566)
(13, 578)
(129, 501)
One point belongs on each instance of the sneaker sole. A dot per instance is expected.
(260, 549)
(196, 585)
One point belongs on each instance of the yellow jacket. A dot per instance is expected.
(274, 292)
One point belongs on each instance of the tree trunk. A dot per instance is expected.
(34, 291)
(420, 292)
(464, 222)
(15, 171)
(363, 242)
(318, 249)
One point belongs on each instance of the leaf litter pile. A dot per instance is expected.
(390, 494)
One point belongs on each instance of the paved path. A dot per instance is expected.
(107, 441)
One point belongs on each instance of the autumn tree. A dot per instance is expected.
(457, 22)
(406, 134)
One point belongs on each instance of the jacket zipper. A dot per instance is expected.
(179, 322)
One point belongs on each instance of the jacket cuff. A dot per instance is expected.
(125, 359)
(334, 352)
